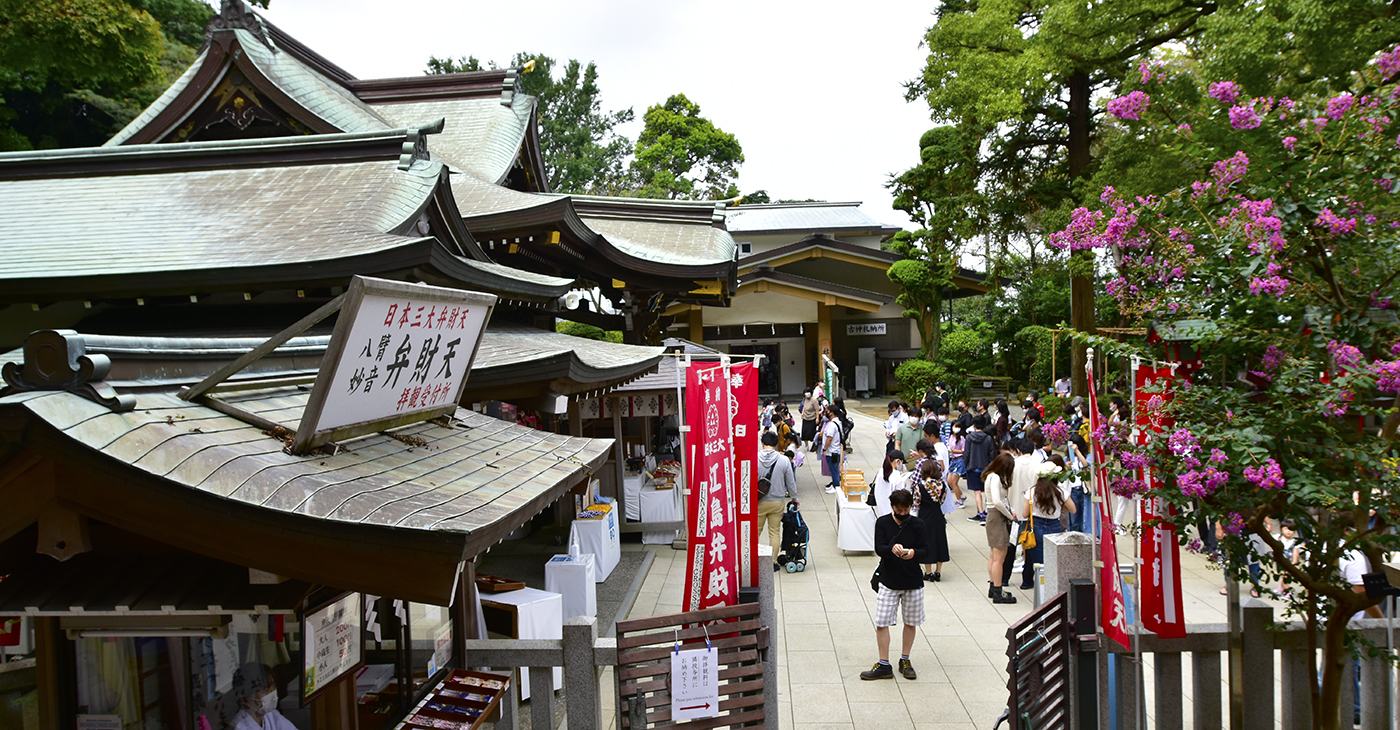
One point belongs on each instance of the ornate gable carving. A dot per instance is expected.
(234, 15)
(58, 360)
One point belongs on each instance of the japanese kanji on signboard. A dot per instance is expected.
(712, 569)
(398, 350)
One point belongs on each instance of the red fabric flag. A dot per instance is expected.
(1162, 611)
(1113, 616)
(743, 416)
(712, 566)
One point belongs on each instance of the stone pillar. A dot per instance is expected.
(768, 616)
(583, 699)
(1068, 556)
(1258, 655)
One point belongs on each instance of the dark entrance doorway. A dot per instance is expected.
(768, 381)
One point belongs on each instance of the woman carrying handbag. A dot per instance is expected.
(1046, 503)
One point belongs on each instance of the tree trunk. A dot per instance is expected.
(1081, 287)
(1326, 713)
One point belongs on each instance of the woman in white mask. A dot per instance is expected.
(257, 699)
(891, 476)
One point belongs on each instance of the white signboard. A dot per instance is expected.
(694, 684)
(332, 642)
(874, 328)
(99, 722)
(398, 351)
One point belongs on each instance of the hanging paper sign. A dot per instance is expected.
(668, 405)
(399, 354)
(1113, 614)
(1162, 611)
(646, 405)
(591, 408)
(331, 637)
(743, 417)
(712, 565)
(694, 684)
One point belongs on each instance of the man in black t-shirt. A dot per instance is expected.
(902, 546)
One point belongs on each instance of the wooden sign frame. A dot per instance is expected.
(306, 648)
(308, 436)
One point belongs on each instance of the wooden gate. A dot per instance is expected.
(1039, 646)
(644, 649)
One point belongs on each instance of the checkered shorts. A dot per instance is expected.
(909, 603)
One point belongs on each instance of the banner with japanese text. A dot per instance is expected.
(743, 417)
(1162, 612)
(712, 565)
(1113, 614)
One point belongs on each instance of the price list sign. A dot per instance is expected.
(331, 643)
(400, 353)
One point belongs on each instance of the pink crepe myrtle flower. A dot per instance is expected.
(1131, 106)
(1268, 475)
(1346, 356)
(1182, 442)
(1233, 524)
(1225, 92)
(1339, 105)
(1273, 358)
(1335, 224)
(1244, 117)
(1389, 63)
(1387, 375)
(1289, 142)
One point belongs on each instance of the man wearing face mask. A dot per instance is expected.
(902, 546)
(257, 699)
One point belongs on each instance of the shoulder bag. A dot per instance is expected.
(875, 577)
(765, 482)
(1027, 537)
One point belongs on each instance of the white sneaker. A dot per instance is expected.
(830, 489)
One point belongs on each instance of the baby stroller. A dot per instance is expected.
(795, 534)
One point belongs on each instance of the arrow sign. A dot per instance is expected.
(694, 684)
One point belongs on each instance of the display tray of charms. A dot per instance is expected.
(463, 700)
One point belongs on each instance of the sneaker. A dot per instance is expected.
(975, 518)
(961, 503)
(879, 671)
(907, 669)
(982, 518)
(830, 490)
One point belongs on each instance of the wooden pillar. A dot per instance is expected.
(335, 709)
(58, 700)
(809, 345)
(619, 456)
(697, 324)
(823, 334)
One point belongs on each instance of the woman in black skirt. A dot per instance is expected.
(929, 493)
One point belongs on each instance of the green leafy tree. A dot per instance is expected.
(940, 195)
(73, 72)
(682, 155)
(1026, 71)
(587, 331)
(1286, 252)
(583, 152)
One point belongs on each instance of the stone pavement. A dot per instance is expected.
(826, 636)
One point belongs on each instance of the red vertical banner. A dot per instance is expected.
(1162, 612)
(712, 565)
(1113, 615)
(743, 418)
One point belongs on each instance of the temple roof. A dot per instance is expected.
(172, 218)
(777, 218)
(438, 490)
(484, 138)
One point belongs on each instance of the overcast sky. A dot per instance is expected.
(813, 90)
